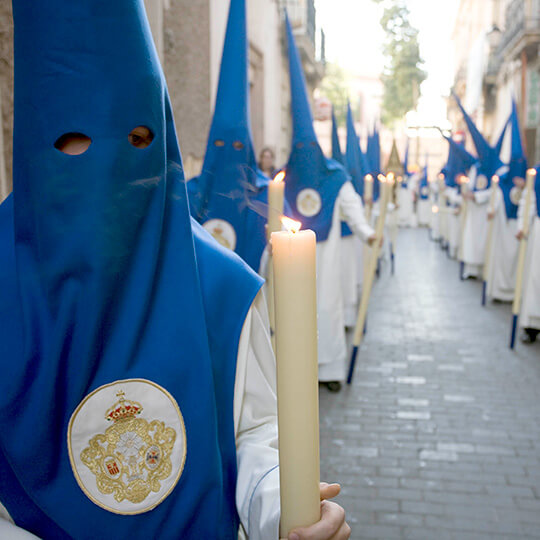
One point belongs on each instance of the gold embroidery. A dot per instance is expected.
(217, 233)
(132, 456)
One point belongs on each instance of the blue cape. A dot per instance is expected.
(107, 278)
(404, 184)
(307, 167)
(231, 187)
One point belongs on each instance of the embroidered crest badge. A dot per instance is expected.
(308, 202)
(515, 195)
(222, 231)
(127, 457)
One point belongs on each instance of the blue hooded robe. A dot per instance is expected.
(107, 281)
(517, 167)
(312, 182)
(229, 198)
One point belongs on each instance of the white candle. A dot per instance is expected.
(464, 181)
(368, 195)
(276, 190)
(295, 296)
(276, 197)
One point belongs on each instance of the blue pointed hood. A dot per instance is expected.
(102, 280)
(229, 196)
(312, 182)
(537, 189)
(488, 156)
(517, 166)
(406, 161)
(459, 161)
(337, 154)
(423, 184)
(352, 155)
(373, 156)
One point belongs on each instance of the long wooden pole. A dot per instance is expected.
(464, 208)
(489, 242)
(516, 306)
(369, 278)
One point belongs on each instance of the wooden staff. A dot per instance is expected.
(394, 227)
(516, 306)
(368, 207)
(487, 259)
(464, 207)
(368, 282)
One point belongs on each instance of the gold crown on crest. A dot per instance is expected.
(123, 409)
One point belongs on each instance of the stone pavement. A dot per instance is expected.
(439, 436)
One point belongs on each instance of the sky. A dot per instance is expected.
(354, 40)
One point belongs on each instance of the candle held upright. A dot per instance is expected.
(295, 294)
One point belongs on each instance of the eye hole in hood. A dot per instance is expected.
(73, 144)
(141, 137)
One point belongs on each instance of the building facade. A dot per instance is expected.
(497, 44)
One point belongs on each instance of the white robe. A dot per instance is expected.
(475, 234)
(502, 264)
(453, 222)
(255, 421)
(423, 211)
(405, 202)
(330, 302)
(529, 316)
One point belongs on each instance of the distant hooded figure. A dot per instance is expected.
(458, 163)
(127, 345)
(321, 195)
(423, 207)
(502, 261)
(481, 173)
(229, 197)
(351, 245)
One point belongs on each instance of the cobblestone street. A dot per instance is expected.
(439, 436)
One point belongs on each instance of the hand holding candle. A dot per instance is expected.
(295, 294)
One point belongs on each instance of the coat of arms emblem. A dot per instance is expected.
(308, 202)
(133, 460)
(222, 231)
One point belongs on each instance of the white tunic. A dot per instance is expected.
(475, 233)
(501, 278)
(332, 347)
(453, 222)
(255, 421)
(352, 271)
(530, 307)
(405, 202)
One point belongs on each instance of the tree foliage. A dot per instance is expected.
(336, 87)
(402, 73)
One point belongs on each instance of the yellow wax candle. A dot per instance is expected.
(276, 190)
(295, 296)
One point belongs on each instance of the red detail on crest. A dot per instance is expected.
(112, 467)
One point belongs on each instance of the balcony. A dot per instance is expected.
(302, 15)
(522, 28)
